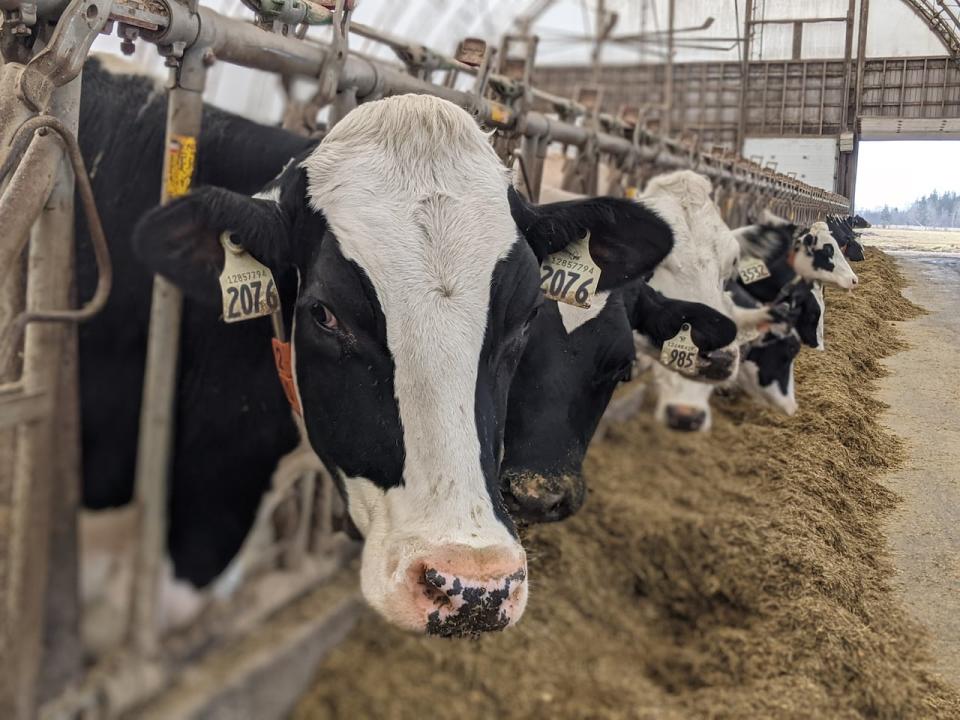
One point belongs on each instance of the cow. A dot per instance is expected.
(213, 497)
(570, 369)
(842, 229)
(705, 256)
(815, 257)
(566, 377)
(407, 273)
(767, 357)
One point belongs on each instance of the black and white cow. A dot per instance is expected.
(567, 375)
(767, 356)
(704, 258)
(407, 287)
(842, 229)
(814, 257)
(220, 403)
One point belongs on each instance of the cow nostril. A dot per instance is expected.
(433, 587)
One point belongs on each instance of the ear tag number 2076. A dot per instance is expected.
(246, 284)
(570, 275)
(680, 352)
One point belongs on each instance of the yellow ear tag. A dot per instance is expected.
(680, 352)
(246, 284)
(752, 270)
(570, 275)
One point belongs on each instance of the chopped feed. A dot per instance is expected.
(740, 574)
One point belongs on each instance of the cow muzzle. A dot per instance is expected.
(718, 365)
(458, 590)
(537, 498)
(686, 418)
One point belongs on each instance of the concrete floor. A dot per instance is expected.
(923, 391)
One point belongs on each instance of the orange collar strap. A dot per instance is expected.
(282, 358)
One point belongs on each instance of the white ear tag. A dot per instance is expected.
(246, 284)
(680, 352)
(570, 275)
(753, 270)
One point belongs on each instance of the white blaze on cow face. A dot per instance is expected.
(703, 258)
(417, 199)
(817, 256)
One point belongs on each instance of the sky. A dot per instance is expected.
(897, 173)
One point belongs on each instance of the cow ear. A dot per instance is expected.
(627, 239)
(181, 240)
(659, 318)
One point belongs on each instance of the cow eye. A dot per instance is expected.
(323, 317)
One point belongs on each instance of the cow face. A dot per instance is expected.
(766, 368)
(818, 257)
(705, 252)
(409, 277)
(573, 362)
(571, 366)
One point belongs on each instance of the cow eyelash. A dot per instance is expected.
(324, 317)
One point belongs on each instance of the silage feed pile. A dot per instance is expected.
(740, 574)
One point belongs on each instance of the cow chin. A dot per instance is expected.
(429, 575)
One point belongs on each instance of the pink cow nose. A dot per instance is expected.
(459, 590)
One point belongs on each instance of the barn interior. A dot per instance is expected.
(795, 557)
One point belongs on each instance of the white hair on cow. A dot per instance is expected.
(703, 258)
(417, 198)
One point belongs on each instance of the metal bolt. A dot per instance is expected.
(127, 47)
(208, 57)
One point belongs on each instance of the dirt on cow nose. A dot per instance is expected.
(719, 365)
(467, 607)
(534, 497)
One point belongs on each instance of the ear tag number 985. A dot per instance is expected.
(570, 275)
(680, 352)
(246, 284)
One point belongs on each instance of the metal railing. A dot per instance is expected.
(39, 401)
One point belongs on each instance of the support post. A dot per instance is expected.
(858, 90)
(744, 76)
(62, 646)
(157, 414)
(668, 78)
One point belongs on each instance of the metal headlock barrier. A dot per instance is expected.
(293, 547)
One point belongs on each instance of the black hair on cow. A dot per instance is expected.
(660, 318)
(627, 239)
(181, 240)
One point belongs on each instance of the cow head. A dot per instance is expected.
(766, 368)
(408, 272)
(818, 257)
(572, 364)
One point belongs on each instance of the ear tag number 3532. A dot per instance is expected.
(680, 352)
(246, 284)
(753, 270)
(570, 275)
